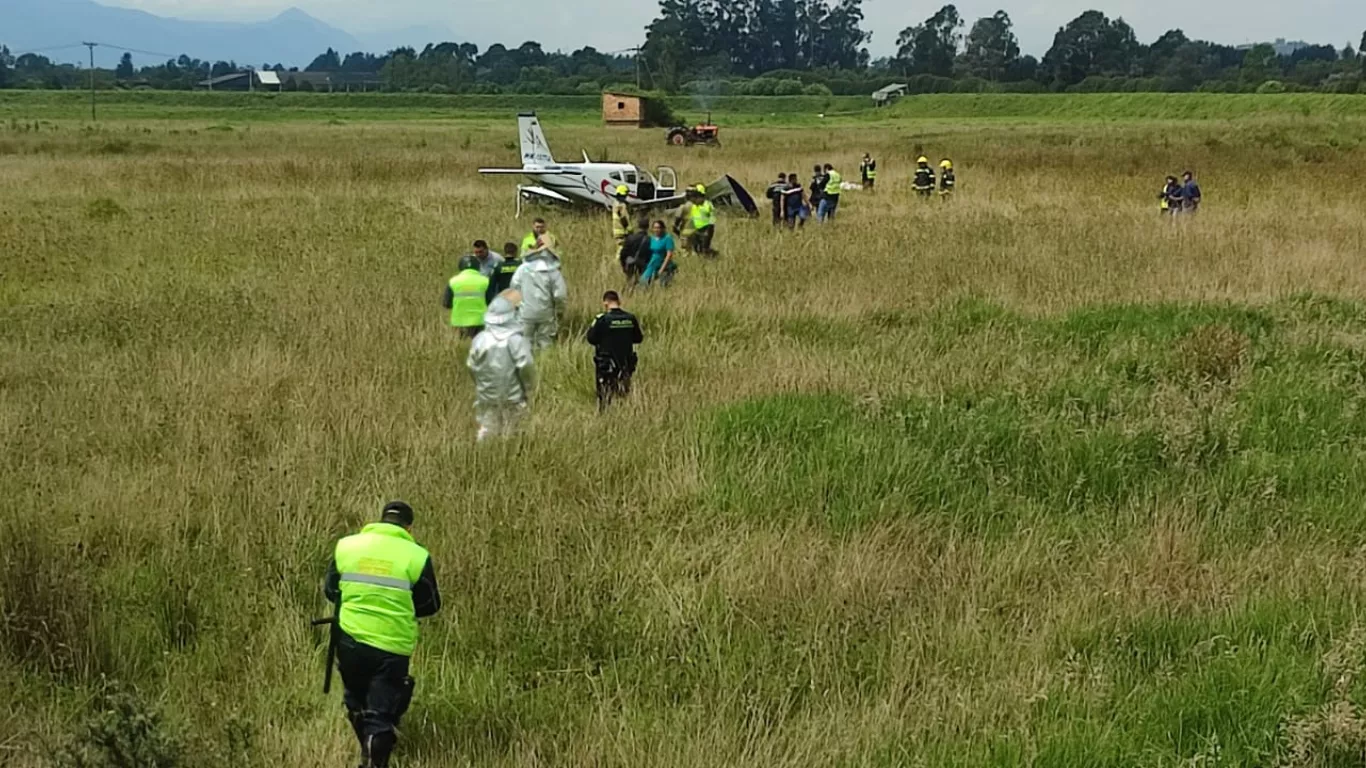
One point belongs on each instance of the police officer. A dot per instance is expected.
(382, 582)
(467, 297)
(946, 179)
(621, 216)
(924, 177)
(868, 170)
(501, 279)
(614, 335)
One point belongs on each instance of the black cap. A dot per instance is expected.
(398, 512)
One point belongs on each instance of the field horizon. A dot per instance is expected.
(1036, 477)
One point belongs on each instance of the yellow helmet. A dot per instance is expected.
(946, 164)
(622, 191)
(923, 160)
(701, 189)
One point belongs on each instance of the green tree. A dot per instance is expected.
(125, 70)
(930, 47)
(6, 64)
(1092, 45)
(1260, 64)
(991, 48)
(326, 62)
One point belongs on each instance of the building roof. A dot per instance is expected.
(268, 77)
(222, 79)
(891, 89)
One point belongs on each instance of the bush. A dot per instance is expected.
(122, 730)
(788, 88)
(1271, 86)
(817, 89)
(306, 86)
(761, 86)
(1023, 86)
(438, 88)
(929, 84)
(588, 88)
(971, 85)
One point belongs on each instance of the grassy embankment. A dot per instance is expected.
(731, 110)
(1035, 478)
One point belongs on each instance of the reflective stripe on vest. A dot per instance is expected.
(379, 581)
(468, 291)
(378, 568)
(832, 187)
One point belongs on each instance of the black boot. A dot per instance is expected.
(381, 745)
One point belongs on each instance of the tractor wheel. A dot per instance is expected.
(678, 139)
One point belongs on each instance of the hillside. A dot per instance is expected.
(292, 38)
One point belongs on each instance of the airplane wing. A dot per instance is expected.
(502, 171)
(726, 191)
(544, 194)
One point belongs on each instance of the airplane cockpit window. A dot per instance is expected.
(631, 177)
(616, 176)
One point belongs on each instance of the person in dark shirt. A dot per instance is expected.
(795, 212)
(775, 194)
(1190, 193)
(614, 336)
(501, 279)
(635, 252)
(818, 182)
(1169, 199)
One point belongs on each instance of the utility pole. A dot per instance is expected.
(91, 46)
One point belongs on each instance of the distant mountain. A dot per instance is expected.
(293, 38)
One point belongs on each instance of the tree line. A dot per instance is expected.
(783, 47)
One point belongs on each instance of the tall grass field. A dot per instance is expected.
(1035, 477)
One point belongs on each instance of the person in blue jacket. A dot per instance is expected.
(1190, 193)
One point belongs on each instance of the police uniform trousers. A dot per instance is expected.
(378, 691)
(613, 377)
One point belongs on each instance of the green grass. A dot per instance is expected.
(731, 110)
(1034, 478)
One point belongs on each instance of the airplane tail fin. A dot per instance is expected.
(535, 151)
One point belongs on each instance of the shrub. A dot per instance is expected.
(971, 85)
(788, 88)
(121, 730)
(438, 88)
(1271, 86)
(761, 86)
(1023, 86)
(817, 89)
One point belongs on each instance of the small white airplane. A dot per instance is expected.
(590, 183)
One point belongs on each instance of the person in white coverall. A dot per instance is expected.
(504, 372)
(544, 295)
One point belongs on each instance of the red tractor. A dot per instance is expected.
(707, 133)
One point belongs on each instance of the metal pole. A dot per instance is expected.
(91, 46)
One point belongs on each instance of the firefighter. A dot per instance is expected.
(382, 582)
(868, 170)
(614, 336)
(503, 368)
(621, 216)
(467, 297)
(924, 177)
(501, 279)
(946, 179)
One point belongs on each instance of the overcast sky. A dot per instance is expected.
(611, 25)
